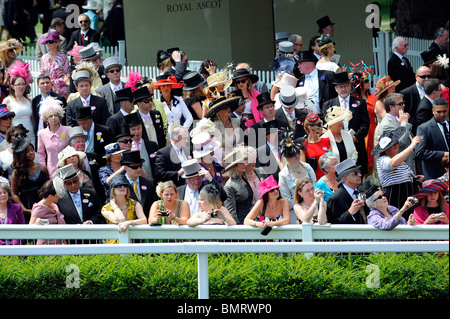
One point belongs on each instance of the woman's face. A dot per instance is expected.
(293, 160)
(315, 130)
(381, 202)
(116, 158)
(53, 119)
(274, 193)
(19, 86)
(52, 45)
(4, 196)
(165, 89)
(433, 197)
(337, 127)
(240, 168)
(225, 113)
(169, 195)
(12, 54)
(5, 122)
(29, 155)
(332, 168)
(120, 190)
(204, 206)
(307, 192)
(393, 150)
(72, 160)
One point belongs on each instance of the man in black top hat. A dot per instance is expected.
(319, 83)
(117, 120)
(152, 119)
(326, 27)
(360, 121)
(146, 147)
(143, 189)
(269, 160)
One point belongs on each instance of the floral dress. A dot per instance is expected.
(57, 70)
(131, 215)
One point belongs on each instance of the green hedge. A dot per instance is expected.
(231, 276)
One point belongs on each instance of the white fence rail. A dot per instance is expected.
(425, 239)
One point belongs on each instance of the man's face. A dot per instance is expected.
(84, 88)
(72, 185)
(402, 47)
(329, 31)
(133, 171)
(353, 179)
(114, 74)
(268, 111)
(423, 75)
(127, 106)
(83, 22)
(440, 112)
(79, 143)
(182, 139)
(399, 105)
(85, 124)
(45, 85)
(442, 41)
(306, 67)
(194, 182)
(146, 105)
(343, 90)
(125, 143)
(136, 132)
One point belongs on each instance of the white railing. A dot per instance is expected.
(424, 239)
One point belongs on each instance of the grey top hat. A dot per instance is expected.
(288, 96)
(110, 62)
(88, 52)
(68, 172)
(191, 168)
(286, 47)
(82, 75)
(76, 132)
(346, 167)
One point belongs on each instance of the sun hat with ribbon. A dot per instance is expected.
(432, 186)
(384, 84)
(267, 185)
(112, 149)
(336, 114)
(204, 144)
(388, 139)
(11, 44)
(168, 80)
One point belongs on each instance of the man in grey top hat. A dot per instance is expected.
(112, 70)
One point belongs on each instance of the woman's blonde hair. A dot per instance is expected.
(111, 193)
(162, 186)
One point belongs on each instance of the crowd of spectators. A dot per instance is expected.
(221, 148)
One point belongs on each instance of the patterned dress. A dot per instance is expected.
(57, 70)
(131, 215)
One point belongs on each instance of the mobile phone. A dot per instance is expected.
(266, 230)
(164, 213)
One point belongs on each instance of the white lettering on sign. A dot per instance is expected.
(193, 6)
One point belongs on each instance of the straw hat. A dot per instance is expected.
(384, 84)
(336, 114)
(204, 144)
(11, 44)
(236, 156)
(69, 151)
(219, 78)
(216, 105)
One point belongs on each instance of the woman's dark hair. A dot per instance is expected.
(265, 197)
(19, 164)
(46, 190)
(11, 131)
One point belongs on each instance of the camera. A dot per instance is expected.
(164, 213)
(414, 201)
(213, 214)
(321, 192)
(439, 215)
(361, 197)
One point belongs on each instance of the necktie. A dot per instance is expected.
(344, 104)
(136, 191)
(77, 202)
(82, 37)
(85, 102)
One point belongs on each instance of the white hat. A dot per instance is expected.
(288, 94)
(204, 144)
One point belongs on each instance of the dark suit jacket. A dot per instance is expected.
(300, 116)
(167, 165)
(91, 36)
(258, 129)
(431, 149)
(223, 195)
(151, 148)
(117, 120)
(404, 73)
(266, 162)
(100, 113)
(424, 112)
(159, 128)
(326, 86)
(90, 212)
(337, 208)
(35, 105)
(411, 97)
(148, 194)
(107, 93)
(360, 123)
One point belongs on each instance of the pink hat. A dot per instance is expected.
(51, 36)
(75, 52)
(267, 185)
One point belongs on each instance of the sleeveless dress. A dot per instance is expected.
(23, 116)
(29, 187)
(131, 215)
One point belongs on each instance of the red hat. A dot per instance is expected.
(170, 80)
(267, 185)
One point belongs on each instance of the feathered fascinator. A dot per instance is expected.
(204, 125)
(290, 146)
(20, 69)
(51, 105)
(443, 60)
(133, 79)
(358, 72)
(21, 144)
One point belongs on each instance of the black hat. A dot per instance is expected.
(124, 130)
(193, 80)
(124, 95)
(119, 180)
(172, 50)
(131, 157)
(306, 56)
(324, 22)
(141, 94)
(133, 119)
(83, 113)
(263, 99)
(222, 103)
(291, 146)
(429, 56)
(388, 139)
(271, 125)
(341, 78)
(21, 144)
(161, 56)
(243, 73)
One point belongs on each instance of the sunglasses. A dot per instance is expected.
(147, 100)
(424, 76)
(400, 104)
(74, 182)
(84, 21)
(241, 81)
(135, 166)
(126, 141)
(379, 197)
(50, 42)
(114, 71)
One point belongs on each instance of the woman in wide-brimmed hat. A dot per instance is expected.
(9, 51)
(71, 156)
(218, 82)
(396, 177)
(174, 106)
(56, 64)
(244, 80)
(383, 88)
(193, 93)
(342, 144)
(271, 209)
(433, 208)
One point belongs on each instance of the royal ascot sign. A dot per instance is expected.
(193, 6)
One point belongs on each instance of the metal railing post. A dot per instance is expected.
(203, 276)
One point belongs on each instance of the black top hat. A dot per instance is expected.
(306, 56)
(271, 125)
(263, 99)
(141, 94)
(83, 113)
(430, 55)
(124, 130)
(171, 50)
(124, 95)
(119, 180)
(243, 73)
(133, 119)
(324, 22)
(388, 139)
(161, 56)
(131, 157)
(193, 80)
(341, 78)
